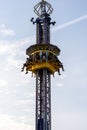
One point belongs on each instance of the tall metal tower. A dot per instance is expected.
(43, 62)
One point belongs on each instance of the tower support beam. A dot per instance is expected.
(43, 100)
(43, 62)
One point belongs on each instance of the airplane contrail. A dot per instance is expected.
(67, 24)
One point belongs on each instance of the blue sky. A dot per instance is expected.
(17, 90)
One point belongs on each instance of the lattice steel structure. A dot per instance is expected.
(43, 62)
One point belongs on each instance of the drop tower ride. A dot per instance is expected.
(43, 62)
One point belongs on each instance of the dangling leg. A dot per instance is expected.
(62, 67)
(59, 71)
(26, 72)
(24, 65)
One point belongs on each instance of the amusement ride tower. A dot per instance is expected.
(43, 62)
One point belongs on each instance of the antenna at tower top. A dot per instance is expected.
(42, 8)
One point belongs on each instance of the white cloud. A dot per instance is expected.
(13, 62)
(5, 31)
(4, 47)
(8, 123)
(60, 85)
(26, 110)
(70, 23)
(3, 83)
(13, 52)
(15, 47)
(70, 120)
(63, 76)
(24, 102)
(32, 94)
